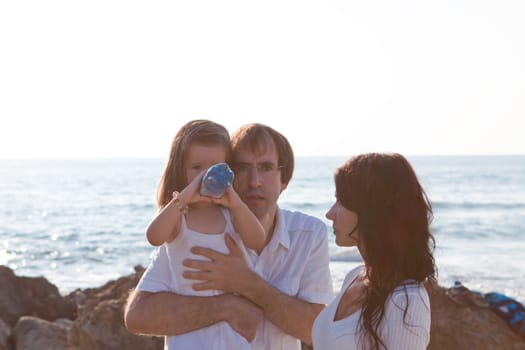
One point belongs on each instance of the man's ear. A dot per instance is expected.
(283, 187)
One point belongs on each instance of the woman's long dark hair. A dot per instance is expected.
(394, 215)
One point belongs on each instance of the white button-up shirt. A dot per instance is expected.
(295, 261)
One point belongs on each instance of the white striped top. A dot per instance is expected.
(395, 330)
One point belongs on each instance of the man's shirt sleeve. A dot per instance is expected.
(157, 277)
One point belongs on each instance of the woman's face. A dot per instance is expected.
(344, 222)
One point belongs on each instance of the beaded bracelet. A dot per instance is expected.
(178, 203)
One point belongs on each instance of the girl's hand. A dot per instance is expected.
(190, 194)
(230, 199)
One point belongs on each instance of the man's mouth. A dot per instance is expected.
(254, 197)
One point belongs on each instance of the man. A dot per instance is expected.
(290, 282)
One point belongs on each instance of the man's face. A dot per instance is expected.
(258, 179)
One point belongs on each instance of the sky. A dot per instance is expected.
(90, 79)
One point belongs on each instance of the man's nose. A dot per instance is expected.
(254, 177)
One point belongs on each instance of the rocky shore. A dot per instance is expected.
(33, 315)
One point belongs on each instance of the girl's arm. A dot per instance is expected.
(244, 221)
(165, 226)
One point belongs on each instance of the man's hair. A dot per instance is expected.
(256, 137)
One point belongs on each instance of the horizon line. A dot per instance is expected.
(52, 158)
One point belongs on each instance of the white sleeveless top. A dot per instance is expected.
(179, 250)
(219, 336)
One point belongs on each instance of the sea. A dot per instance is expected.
(81, 222)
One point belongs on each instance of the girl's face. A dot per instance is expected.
(344, 222)
(201, 157)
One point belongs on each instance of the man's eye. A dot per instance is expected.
(242, 168)
(266, 168)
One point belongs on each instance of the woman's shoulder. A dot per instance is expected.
(352, 274)
(407, 317)
(411, 294)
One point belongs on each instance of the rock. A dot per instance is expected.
(35, 333)
(28, 296)
(100, 321)
(111, 290)
(467, 327)
(5, 333)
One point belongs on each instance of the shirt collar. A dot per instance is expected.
(280, 232)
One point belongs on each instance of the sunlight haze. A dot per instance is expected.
(118, 78)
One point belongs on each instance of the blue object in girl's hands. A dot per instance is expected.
(216, 180)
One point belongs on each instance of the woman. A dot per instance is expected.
(382, 210)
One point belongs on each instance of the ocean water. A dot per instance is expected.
(81, 223)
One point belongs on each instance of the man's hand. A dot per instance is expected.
(229, 273)
(226, 272)
(243, 316)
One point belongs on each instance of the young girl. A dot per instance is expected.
(188, 219)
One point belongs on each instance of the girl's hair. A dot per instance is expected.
(394, 215)
(201, 132)
(256, 137)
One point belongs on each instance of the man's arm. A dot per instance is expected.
(166, 313)
(294, 316)
(230, 273)
(152, 309)
(153, 313)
